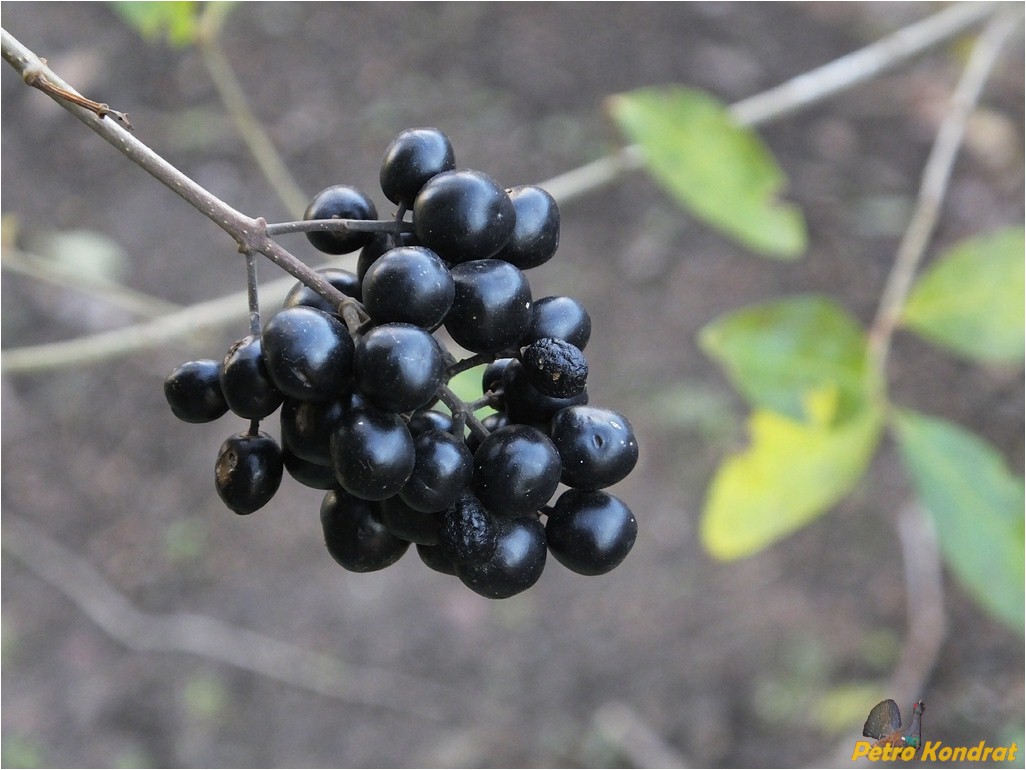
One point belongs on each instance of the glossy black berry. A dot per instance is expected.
(372, 453)
(307, 473)
(306, 427)
(398, 367)
(469, 532)
(597, 446)
(555, 367)
(193, 391)
(433, 557)
(442, 471)
(309, 354)
(463, 215)
(516, 470)
(429, 419)
(410, 284)
(414, 156)
(524, 403)
(248, 471)
(516, 564)
(590, 532)
(406, 523)
(339, 202)
(491, 377)
(346, 282)
(246, 385)
(355, 536)
(492, 307)
(535, 235)
(562, 317)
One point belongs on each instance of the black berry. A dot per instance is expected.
(492, 307)
(590, 532)
(414, 156)
(535, 236)
(193, 391)
(410, 284)
(355, 536)
(463, 215)
(398, 367)
(515, 565)
(346, 282)
(246, 385)
(597, 446)
(562, 317)
(248, 471)
(339, 202)
(516, 470)
(372, 453)
(309, 354)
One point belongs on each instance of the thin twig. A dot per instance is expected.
(267, 157)
(116, 294)
(213, 639)
(934, 185)
(924, 599)
(795, 94)
(927, 621)
(799, 92)
(250, 234)
(212, 314)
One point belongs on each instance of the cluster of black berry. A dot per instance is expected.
(356, 383)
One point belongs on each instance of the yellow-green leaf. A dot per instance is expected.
(177, 21)
(713, 167)
(790, 474)
(804, 357)
(976, 505)
(971, 300)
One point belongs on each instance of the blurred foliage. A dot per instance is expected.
(803, 365)
(714, 168)
(972, 300)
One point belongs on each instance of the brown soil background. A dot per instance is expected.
(724, 664)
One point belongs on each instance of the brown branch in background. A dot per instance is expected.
(798, 92)
(934, 184)
(213, 639)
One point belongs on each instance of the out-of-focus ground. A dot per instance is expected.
(670, 658)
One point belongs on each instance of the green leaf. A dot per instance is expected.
(792, 473)
(713, 167)
(976, 505)
(778, 354)
(971, 300)
(177, 21)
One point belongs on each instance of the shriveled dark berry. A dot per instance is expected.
(524, 403)
(556, 367)
(469, 532)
